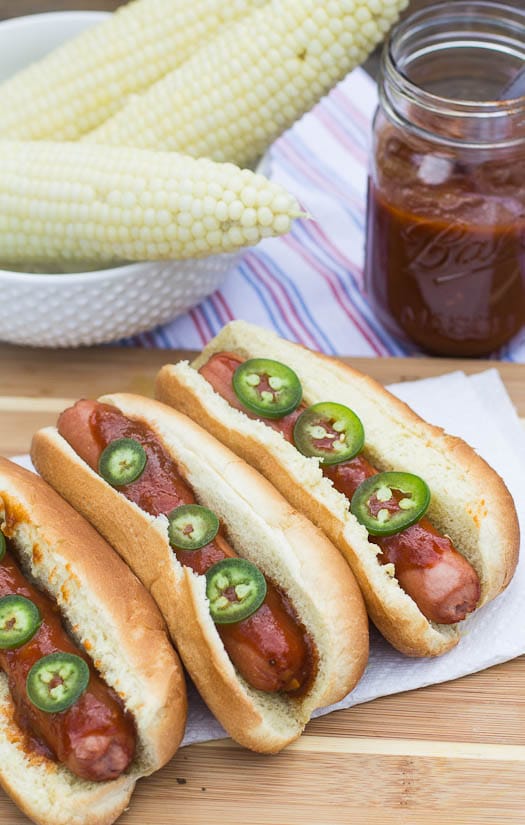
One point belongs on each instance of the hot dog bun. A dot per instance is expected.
(470, 502)
(101, 601)
(262, 527)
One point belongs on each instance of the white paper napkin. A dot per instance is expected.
(478, 409)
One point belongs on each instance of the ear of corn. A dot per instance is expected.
(89, 78)
(72, 203)
(253, 80)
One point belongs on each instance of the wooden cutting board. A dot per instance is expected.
(451, 753)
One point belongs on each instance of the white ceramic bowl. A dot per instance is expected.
(66, 310)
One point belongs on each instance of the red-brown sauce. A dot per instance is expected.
(69, 736)
(446, 246)
(270, 648)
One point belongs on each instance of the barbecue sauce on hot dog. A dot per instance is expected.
(270, 649)
(95, 738)
(440, 580)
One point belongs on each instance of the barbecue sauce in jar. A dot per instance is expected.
(445, 259)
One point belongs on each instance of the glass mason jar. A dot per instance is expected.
(445, 255)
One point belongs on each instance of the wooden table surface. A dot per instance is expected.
(449, 753)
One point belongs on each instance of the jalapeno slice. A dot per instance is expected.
(3, 546)
(236, 588)
(192, 526)
(329, 431)
(268, 388)
(57, 681)
(390, 502)
(122, 462)
(19, 621)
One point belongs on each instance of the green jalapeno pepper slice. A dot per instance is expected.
(329, 431)
(57, 681)
(192, 526)
(235, 588)
(390, 502)
(268, 388)
(3, 545)
(19, 621)
(122, 462)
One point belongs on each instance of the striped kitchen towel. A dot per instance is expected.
(308, 286)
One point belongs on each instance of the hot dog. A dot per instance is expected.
(95, 737)
(304, 642)
(440, 580)
(421, 582)
(84, 710)
(271, 634)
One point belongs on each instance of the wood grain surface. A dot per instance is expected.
(449, 753)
